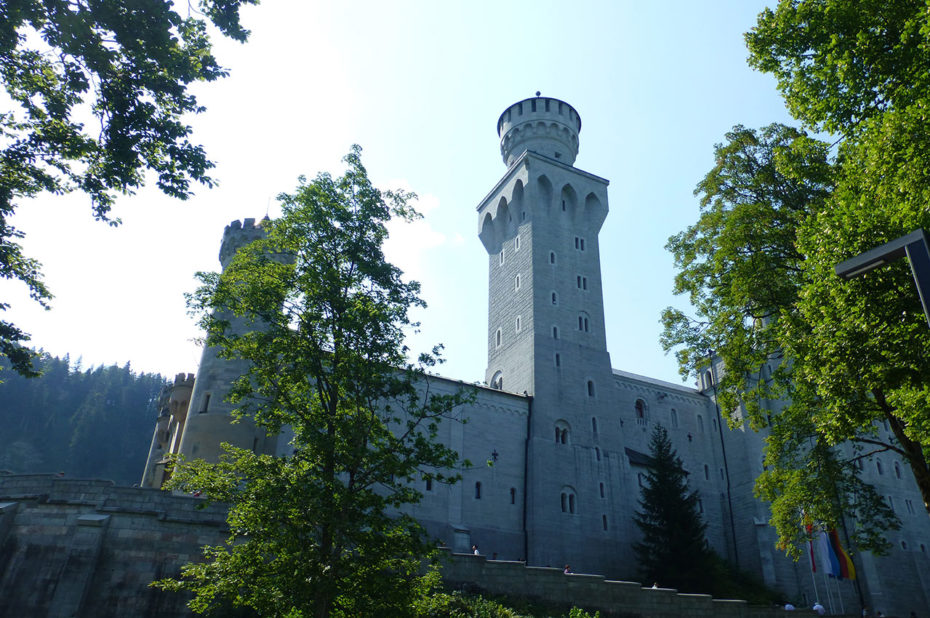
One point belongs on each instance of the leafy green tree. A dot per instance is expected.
(743, 270)
(861, 70)
(99, 92)
(321, 532)
(674, 550)
(837, 370)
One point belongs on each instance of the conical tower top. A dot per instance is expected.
(544, 125)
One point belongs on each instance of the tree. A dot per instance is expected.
(837, 370)
(673, 550)
(99, 92)
(861, 70)
(320, 532)
(742, 268)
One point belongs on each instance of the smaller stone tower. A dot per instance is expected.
(173, 403)
(209, 423)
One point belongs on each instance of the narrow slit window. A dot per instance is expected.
(478, 490)
(602, 489)
(552, 257)
(604, 521)
(555, 332)
(513, 495)
(558, 360)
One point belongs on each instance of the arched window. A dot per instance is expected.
(597, 453)
(552, 257)
(555, 298)
(567, 500)
(674, 415)
(590, 388)
(497, 382)
(498, 338)
(555, 332)
(558, 360)
(639, 410)
(700, 421)
(878, 466)
(897, 470)
(478, 490)
(561, 432)
(518, 324)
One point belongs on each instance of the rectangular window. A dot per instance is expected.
(502, 257)
(516, 243)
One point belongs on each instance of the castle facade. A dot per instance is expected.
(567, 434)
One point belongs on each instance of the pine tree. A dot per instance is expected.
(674, 551)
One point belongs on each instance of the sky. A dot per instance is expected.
(420, 86)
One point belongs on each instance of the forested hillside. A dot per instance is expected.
(94, 423)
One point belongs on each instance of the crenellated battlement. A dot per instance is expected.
(238, 234)
(541, 124)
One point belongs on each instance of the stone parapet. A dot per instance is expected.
(593, 592)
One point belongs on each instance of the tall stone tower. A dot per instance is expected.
(540, 225)
(209, 421)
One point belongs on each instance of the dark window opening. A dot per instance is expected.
(513, 495)
(478, 490)
(206, 403)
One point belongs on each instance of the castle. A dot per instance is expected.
(567, 434)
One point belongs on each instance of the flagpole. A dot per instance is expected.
(826, 585)
(810, 557)
(839, 593)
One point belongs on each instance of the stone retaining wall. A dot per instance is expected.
(612, 598)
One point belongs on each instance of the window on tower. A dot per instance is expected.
(555, 298)
(502, 257)
(555, 332)
(518, 324)
(516, 283)
(558, 360)
(590, 388)
(498, 338)
(516, 243)
(552, 257)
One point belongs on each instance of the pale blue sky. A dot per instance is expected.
(420, 86)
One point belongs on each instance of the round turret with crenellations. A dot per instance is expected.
(209, 422)
(543, 125)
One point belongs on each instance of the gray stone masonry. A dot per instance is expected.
(594, 592)
(82, 548)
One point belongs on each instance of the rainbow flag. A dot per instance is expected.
(847, 568)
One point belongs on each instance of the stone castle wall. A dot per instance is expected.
(76, 548)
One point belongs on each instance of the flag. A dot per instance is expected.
(828, 559)
(847, 568)
(810, 546)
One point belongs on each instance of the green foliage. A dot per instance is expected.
(320, 316)
(99, 92)
(673, 550)
(836, 369)
(95, 423)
